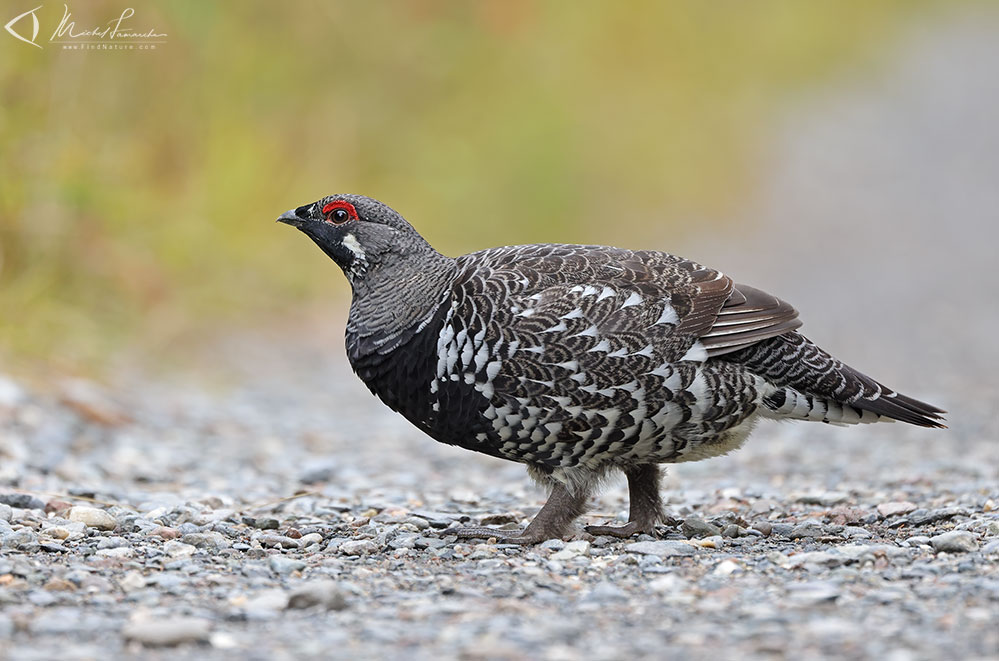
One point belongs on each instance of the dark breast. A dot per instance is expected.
(450, 411)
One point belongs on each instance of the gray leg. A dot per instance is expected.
(645, 507)
(552, 521)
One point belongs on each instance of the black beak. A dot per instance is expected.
(289, 218)
(297, 217)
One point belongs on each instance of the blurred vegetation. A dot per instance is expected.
(139, 188)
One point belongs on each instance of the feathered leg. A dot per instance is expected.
(552, 521)
(645, 506)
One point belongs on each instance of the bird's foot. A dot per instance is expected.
(625, 531)
(501, 536)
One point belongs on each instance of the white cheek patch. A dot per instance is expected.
(350, 243)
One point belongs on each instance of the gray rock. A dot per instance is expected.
(813, 593)
(22, 540)
(955, 541)
(809, 530)
(359, 547)
(168, 632)
(206, 540)
(943, 514)
(112, 542)
(266, 605)
(283, 565)
(6, 512)
(694, 528)
(827, 498)
(23, 501)
(324, 593)
(896, 508)
(278, 542)
(663, 549)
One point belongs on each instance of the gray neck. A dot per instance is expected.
(397, 292)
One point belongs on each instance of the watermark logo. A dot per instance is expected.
(34, 26)
(115, 34)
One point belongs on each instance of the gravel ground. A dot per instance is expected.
(292, 517)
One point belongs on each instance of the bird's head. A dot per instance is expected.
(357, 232)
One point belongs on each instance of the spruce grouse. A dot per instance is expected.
(576, 360)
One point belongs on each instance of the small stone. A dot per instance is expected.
(694, 528)
(896, 508)
(23, 540)
(176, 549)
(991, 548)
(358, 547)
(132, 581)
(310, 539)
(168, 632)
(59, 585)
(918, 540)
(813, 593)
(955, 541)
(112, 542)
(726, 568)
(92, 517)
(278, 541)
(571, 550)
(855, 532)
(765, 527)
(266, 524)
(809, 530)
(324, 594)
(25, 501)
(663, 549)
(922, 517)
(781, 529)
(266, 605)
(6, 512)
(164, 532)
(212, 541)
(118, 552)
(56, 506)
(827, 498)
(552, 545)
(283, 565)
(732, 530)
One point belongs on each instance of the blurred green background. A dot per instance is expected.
(139, 188)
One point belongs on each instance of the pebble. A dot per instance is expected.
(22, 501)
(323, 593)
(278, 541)
(92, 517)
(955, 541)
(283, 565)
(694, 528)
(896, 508)
(663, 549)
(176, 549)
(6, 512)
(808, 530)
(358, 547)
(168, 632)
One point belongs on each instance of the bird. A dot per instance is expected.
(578, 360)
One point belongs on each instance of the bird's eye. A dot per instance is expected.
(339, 212)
